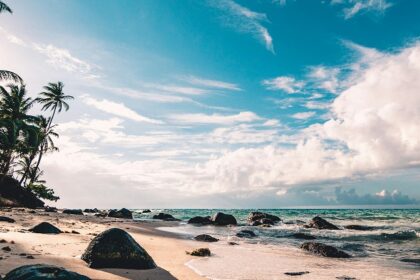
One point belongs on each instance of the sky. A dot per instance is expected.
(226, 103)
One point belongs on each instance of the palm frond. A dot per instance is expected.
(9, 75)
(4, 7)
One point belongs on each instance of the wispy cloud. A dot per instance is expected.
(245, 20)
(117, 109)
(303, 115)
(355, 7)
(211, 83)
(216, 118)
(285, 83)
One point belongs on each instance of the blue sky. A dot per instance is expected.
(226, 103)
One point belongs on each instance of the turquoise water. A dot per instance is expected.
(394, 236)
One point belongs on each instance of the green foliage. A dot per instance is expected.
(42, 191)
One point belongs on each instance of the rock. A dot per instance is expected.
(359, 227)
(115, 248)
(344, 277)
(198, 220)
(3, 241)
(261, 218)
(201, 252)
(232, 243)
(13, 195)
(101, 214)
(146, 211)
(30, 257)
(165, 217)
(294, 222)
(221, 219)
(416, 261)
(296, 273)
(6, 219)
(43, 272)
(320, 223)
(6, 249)
(50, 209)
(246, 234)
(73, 211)
(123, 213)
(75, 232)
(46, 228)
(205, 238)
(300, 235)
(94, 210)
(324, 250)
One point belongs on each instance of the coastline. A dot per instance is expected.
(167, 243)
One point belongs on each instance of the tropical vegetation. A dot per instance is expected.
(24, 137)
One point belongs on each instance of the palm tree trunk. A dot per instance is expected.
(25, 174)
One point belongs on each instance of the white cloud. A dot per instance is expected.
(285, 83)
(216, 118)
(326, 78)
(212, 83)
(117, 109)
(244, 20)
(303, 115)
(355, 7)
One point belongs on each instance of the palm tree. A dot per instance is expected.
(54, 98)
(4, 8)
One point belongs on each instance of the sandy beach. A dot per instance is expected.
(65, 249)
(167, 248)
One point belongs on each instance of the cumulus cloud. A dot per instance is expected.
(394, 197)
(117, 109)
(245, 20)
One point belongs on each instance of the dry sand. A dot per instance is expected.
(167, 249)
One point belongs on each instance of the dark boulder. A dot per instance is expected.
(73, 211)
(261, 218)
(324, 250)
(45, 228)
(198, 220)
(94, 210)
(6, 219)
(246, 234)
(205, 238)
(122, 213)
(320, 223)
(13, 195)
(300, 235)
(146, 211)
(115, 248)
(201, 252)
(42, 272)
(50, 209)
(221, 219)
(358, 227)
(408, 260)
(296, 273)
(165, 217)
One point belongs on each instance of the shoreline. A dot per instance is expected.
(167, 243)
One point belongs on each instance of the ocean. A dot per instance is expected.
(393, 239)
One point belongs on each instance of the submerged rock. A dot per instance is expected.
(359, 227)
(261, 218)
(146, 211)
(320, 223)
(43, 272)
(115, 248)
(73, 211)
(246, 234)
(300, 235)
(165, 217)
(123, 213)
(94, 210)
(6, 219)
(324, 250)
(45, 228)
(198, 220)
(205, 238)
(408, 260)
(222, 219)
(201, 252)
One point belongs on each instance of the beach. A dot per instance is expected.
(167, 243)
